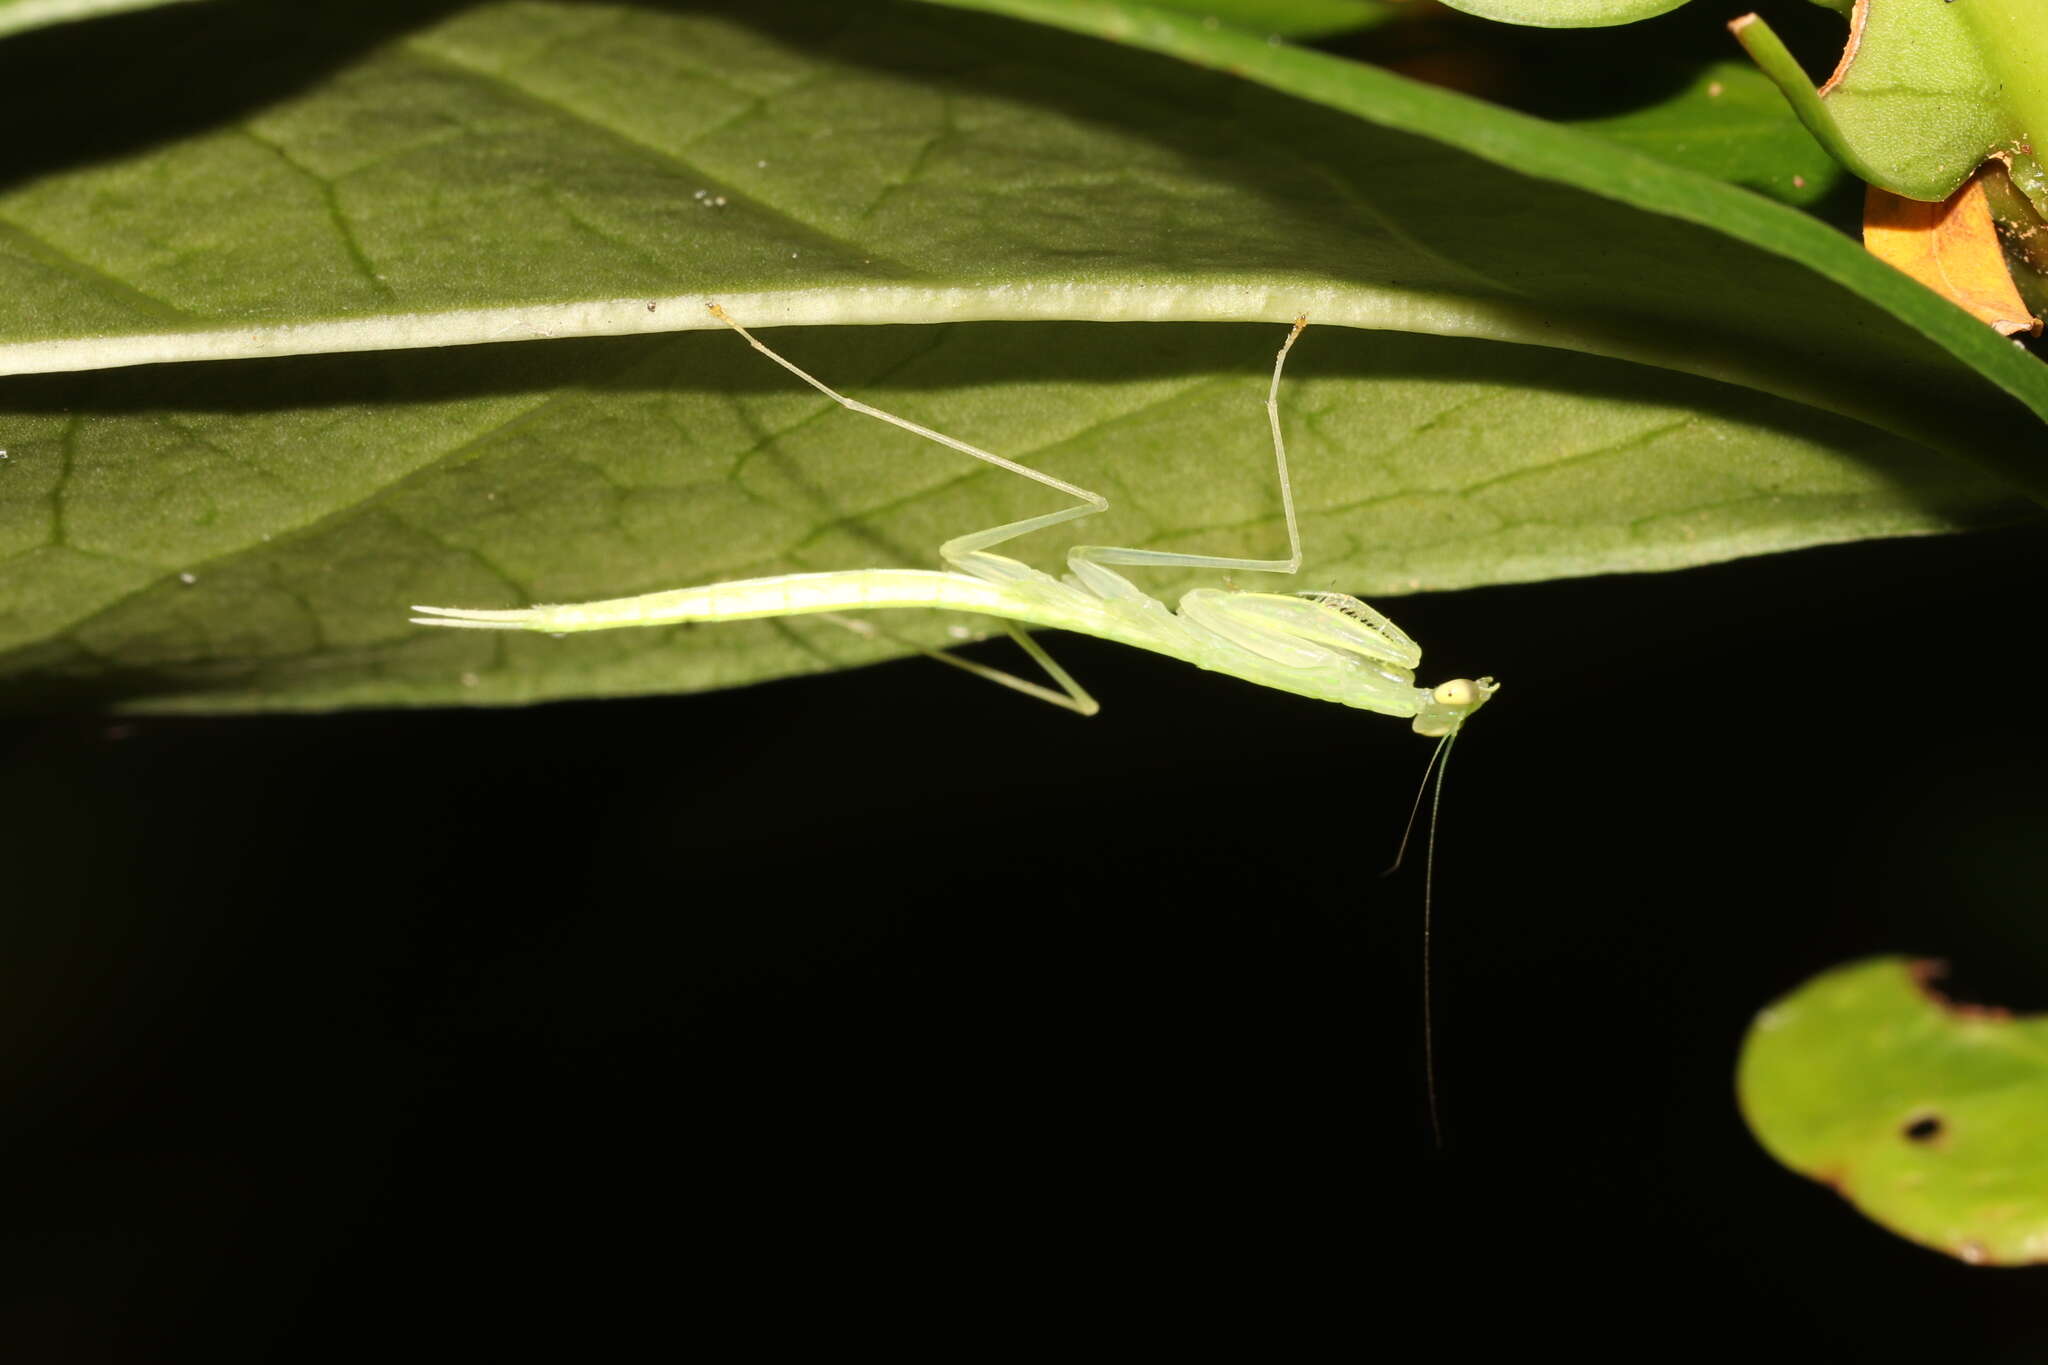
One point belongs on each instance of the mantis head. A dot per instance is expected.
(1450, 703)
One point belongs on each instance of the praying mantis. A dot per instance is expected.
(1324, 645)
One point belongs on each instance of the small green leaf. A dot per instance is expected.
(1566, 13)
(1926, 93)
(1930, 1117)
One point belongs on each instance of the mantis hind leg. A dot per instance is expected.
(1071, 696)
(962, 550)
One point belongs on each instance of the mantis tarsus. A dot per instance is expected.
(1319, 644)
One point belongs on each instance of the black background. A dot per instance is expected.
(889, 1006)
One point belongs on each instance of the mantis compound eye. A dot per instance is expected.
(1457, 692)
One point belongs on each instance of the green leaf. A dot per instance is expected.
(1291, 18)
(1706, 374)
(1925, 1115)
(1566, 13)
(1725, 119)
(17, 16)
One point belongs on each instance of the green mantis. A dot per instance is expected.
(1324, 645)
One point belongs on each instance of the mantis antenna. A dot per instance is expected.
(1324, 645)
